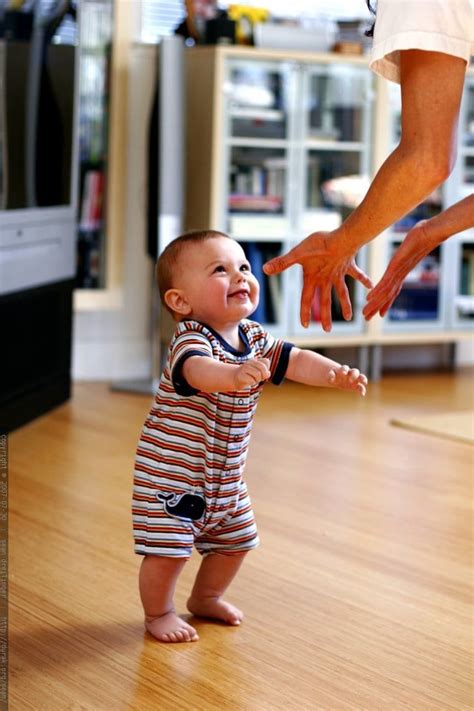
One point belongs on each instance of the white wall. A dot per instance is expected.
(465, 353)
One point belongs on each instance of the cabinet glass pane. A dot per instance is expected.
(334, 187)
(395, 112)
(419, 297)
(464, 300)
(429, 208)
(468, 128)
(336, 104)
(257, 194)
(468, 174)
(257, 103)
(269, 310)
(333, 180)
(95, 52)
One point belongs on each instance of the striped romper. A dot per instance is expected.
(188, 485)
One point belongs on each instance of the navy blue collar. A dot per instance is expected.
(230, 349)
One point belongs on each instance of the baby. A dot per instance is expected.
(188, 485)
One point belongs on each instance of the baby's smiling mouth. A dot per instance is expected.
(241, 293)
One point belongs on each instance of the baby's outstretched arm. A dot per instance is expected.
(314, 369)
(211, 376)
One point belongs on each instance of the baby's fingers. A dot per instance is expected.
(264, 368)
(360, 383)
(260, 368)
(348, 379)
(354, 374)
(338, 377)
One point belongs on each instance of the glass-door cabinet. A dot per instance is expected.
(257, 208)
(296, 160)
(335, 165)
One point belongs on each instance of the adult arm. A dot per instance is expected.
(431, 90)
(314, 369)
(419, 241)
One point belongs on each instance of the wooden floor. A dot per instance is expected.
(359, 597)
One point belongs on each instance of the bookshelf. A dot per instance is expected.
(283, 143)
(104, 43)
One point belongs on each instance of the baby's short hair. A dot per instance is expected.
(169, 258)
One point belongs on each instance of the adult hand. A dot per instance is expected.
(416, 245)
(325, 260)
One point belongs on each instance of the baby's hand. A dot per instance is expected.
(251, 373)
(348, 379)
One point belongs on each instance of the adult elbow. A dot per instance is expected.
(433, 173)
(443, 167)
(432, 167)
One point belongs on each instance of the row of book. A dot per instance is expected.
(89, 260)
(92, 200)
(465, 301)
(467, 272)
(268, 311)
(266, 180)
(90, 267)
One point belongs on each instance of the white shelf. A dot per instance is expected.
(267, 227)
(340, 146)
(258, 142)
(258, 114)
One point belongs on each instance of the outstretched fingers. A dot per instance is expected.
(344, 298)
(380, 299)
(326, 314)
(357, 273)
(307, 296)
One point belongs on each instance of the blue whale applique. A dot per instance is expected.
(187, 506)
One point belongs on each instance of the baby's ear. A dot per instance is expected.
(177, 302)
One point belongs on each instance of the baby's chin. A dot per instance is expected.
(231, 312)
(245, 311)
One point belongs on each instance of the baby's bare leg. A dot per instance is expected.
(158, 576)
(214, 577)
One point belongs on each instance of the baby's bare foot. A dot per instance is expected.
(216, 608)
(170, 628)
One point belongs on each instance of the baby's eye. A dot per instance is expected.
(245, 268)
(219, 268)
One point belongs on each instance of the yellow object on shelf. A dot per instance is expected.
(245, 18)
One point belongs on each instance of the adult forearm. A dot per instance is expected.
(420, 241)
(454, 219)
(404, 180)
(431, 90)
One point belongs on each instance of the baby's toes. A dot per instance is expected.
(184, 635)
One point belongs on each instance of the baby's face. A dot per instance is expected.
(215, 279)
